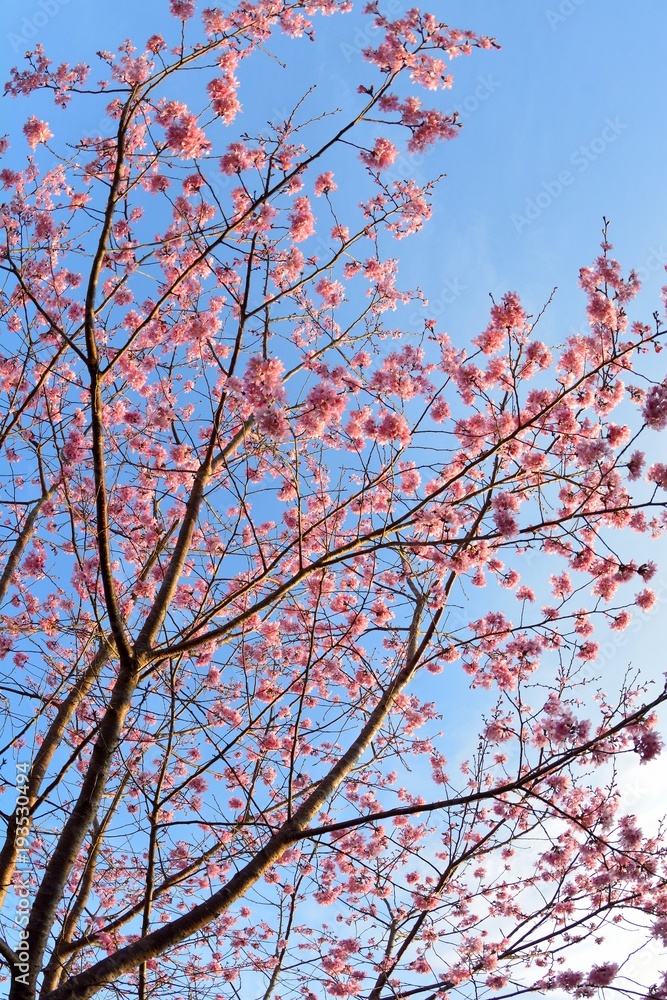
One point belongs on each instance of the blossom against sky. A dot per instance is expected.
(544, 154)
(561, 127)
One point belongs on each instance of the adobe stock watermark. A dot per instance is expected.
(22, 886)
(32, 25)
(581, 159)
(565, 9)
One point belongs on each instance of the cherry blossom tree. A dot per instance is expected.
(245, 514)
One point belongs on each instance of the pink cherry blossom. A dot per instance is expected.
(36, 132)
(658, 474)
(602, 975)
(224, 101)
(636, 464)
(182, 132)
(648, 745)
(645, 599)
(332, 292)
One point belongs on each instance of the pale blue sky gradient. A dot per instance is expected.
(538, 108)
(564, 125)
